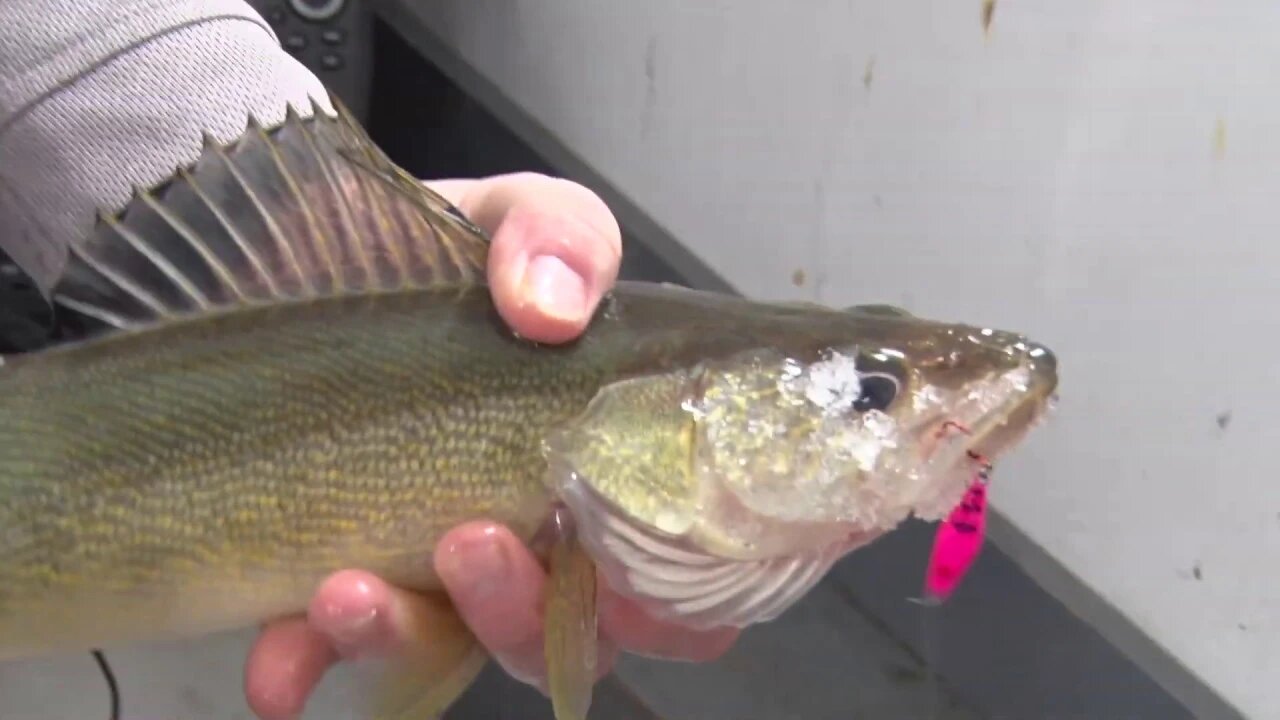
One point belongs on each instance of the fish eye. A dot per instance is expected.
(878, 392)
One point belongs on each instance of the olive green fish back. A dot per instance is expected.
(308, 209)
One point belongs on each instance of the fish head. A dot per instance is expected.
(854, 427)
(719, 491)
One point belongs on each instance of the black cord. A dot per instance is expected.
(112, 687)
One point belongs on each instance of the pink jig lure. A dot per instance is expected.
(959, 539)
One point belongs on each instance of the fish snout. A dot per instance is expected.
(1043, 356)
(1044, 368)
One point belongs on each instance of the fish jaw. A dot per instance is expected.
(984, 420)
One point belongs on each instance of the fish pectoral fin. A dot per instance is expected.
(438, 661)
(407, 694)
(570, 623)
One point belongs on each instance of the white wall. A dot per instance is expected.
(1065, 176)
(1100, 174)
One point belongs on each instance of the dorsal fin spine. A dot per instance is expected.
(319, 241)
(114, 320)
(219, 268)
(144, 248)
(345, 212)
(371, 188)
(273, 228)
(390, 184)
(118, 279)
(455, 259)
(251, 256)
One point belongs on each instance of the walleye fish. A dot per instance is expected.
(301, 370)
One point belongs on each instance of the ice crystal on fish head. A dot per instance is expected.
(854, 440)
(788, 439)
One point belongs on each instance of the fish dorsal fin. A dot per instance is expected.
(307, 209)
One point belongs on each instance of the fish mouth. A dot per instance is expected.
(999, 431)
(998, 413)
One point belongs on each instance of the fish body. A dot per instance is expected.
(302, 371)
(208, 474)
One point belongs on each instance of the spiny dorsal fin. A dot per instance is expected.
(308, 209)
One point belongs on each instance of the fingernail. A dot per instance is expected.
(556, 290)
(350, 631)
(475, 569)
(537, 682)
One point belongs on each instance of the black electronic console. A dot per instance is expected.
(333, 38)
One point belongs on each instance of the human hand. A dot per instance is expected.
(556, 251)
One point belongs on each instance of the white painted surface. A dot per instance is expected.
(1102, 175)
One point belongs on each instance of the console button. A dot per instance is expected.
(317, 9)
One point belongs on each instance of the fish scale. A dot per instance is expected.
(322, 480)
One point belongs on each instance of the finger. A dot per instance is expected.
(555, 253)
(637, 632)
(353, 615)
(286, 662)
(496, 585)
(363, 616)
(356, 612)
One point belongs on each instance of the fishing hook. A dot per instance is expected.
(113, 688)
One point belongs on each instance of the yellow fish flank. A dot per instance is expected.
(300, 370)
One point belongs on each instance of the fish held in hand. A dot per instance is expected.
(301, 370)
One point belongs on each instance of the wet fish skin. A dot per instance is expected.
(266, 433)
(212, 471)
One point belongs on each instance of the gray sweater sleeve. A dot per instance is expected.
(97, 96)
